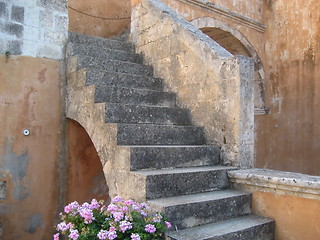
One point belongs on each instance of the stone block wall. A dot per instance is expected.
(215, 85)
(36, 28)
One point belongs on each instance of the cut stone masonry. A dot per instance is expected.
(149, 148)
(42, 34)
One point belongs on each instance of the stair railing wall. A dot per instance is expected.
(215, 85)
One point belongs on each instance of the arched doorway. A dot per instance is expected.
(237, 44)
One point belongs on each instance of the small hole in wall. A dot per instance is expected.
(224, 140)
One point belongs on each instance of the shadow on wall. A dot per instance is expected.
(86, 179)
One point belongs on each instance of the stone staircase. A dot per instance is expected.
(178, 173)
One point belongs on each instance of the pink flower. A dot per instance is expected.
(143, 213)
(94, 204)
(63, 226)
(123, 209)
(74, 234)
(125, 225)
(112, 208)
(135, 236)
(157, 218)
(116, 199)
(56, 236)
(144, 205)
(118, 216)
(136, 206)
(103, 234)
(168, 224)
(128, 202)
(87, 215)
(112, 233)
(85, 205)
(72, 206)
(150, 228)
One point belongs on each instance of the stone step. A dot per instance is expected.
(148, 134)
(182, 181)
(159, 157)
(134, 96)
(133, 114)
(74, 49)
(107, 78)
(100, 42)
(243, 228)
(114, 66)
(203, 208)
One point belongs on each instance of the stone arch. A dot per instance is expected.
(85, 176)
(237, 44)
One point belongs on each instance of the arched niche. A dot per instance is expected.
(237, 44)
(85, 177)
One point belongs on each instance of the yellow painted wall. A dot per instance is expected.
(288, 139)
(296, 218)
(29, 99)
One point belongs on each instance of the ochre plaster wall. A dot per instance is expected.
(104, 20)
(85, 174)
(29, 99)
(248, 8)
(296, 218)
(288, 139)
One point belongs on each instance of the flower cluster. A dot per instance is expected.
(121, 219)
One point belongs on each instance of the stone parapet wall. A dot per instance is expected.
(215, 85)
(291, 199)
(36, 28)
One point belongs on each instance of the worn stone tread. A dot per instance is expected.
(182, 181)
(100, 42)
(74, 49)
(196, 198)
(109, 78)
(114, 66)
(134, 96)
(159, 157)
(203, 208)
(127, 113)
(243, 228)
(152, 134)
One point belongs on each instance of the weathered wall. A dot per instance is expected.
(291, 199)
(249, 8)
(214, 85)
(99, 17)
(296, 218)
(29, 165)
(288, 139)
(36, 28)
(85, 174)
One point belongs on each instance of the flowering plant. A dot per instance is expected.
(121, 219)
